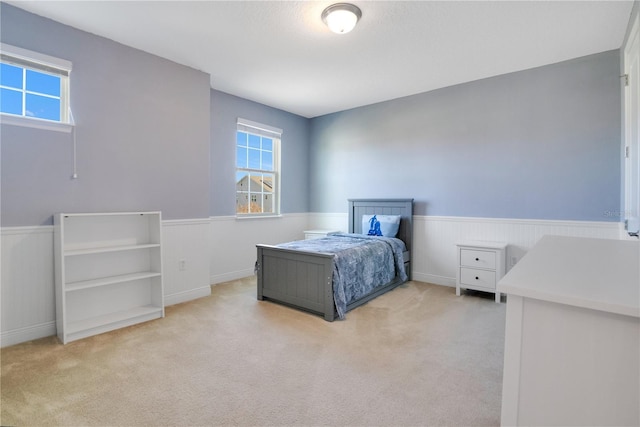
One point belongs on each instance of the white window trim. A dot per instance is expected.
(35, 123)
(257, 216)
(66, 123)
(277, 132)
(271, 132)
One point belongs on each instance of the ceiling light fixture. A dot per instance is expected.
(341, 17)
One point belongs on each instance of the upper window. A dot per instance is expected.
(34, 88)
(257, 169)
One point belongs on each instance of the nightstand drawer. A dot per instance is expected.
(481, 264)
(478, 259)
(481, 278)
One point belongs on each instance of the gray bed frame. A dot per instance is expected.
(303, 280)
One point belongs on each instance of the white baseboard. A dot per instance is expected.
(434, 279)
(19, 335)
(234, 275)
(27, 293)
(189, 295)
(28, 333)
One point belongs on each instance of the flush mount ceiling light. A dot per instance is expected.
(341, 17)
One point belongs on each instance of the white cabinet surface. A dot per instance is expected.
(108, 271)
(572, 337)
(481, 264)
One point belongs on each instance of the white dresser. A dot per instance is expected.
(481, 264)
(572, 337)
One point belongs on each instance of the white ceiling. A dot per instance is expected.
(280, 53)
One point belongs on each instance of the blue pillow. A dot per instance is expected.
(381, 225)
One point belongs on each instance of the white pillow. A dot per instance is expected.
(382, 225)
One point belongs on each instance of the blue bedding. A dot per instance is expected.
(360, 263)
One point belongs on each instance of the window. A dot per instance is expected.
(34, 88)
(257, 169)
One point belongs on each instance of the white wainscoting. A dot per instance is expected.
(434, 238)
(219, 249)
(233, 241)
(434, 255)
(185, 256)
(27, 290)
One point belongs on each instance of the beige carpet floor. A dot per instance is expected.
(416, 356)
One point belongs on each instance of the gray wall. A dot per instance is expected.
(539, 144)
(225, 110)
(142, 132)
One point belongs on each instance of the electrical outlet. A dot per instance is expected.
(182, 265)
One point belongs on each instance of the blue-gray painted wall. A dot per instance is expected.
(539, 144)
(152, 135)
(142, 132)
(225, 110)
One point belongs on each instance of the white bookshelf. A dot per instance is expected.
(108, 271)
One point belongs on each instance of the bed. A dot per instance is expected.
(304, 279)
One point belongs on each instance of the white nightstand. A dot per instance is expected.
(481, 264)
(317, 234)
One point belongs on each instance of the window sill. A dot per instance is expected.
(8, 119)
(243, 217)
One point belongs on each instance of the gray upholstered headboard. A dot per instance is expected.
(403, 207)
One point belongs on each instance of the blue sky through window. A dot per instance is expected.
(43, 83)
(29, 93)
(254, 151)
(11, 76)
(10, 101)
(43, 107)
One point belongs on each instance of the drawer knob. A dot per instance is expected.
(477, 278)
(477, 259)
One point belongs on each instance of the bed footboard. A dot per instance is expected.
(299, 279)
(304, 280)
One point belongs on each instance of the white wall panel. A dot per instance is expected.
(233, 241)
(434, 238)
(329, 221)
(185, 260)
(434, 257)
(27, 290)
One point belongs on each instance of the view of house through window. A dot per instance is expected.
(257, 169)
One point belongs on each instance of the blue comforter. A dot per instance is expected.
(360, 263)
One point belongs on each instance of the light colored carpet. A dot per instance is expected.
(416, 356)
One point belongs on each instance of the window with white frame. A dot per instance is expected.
(257, 169)
(34, 88)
